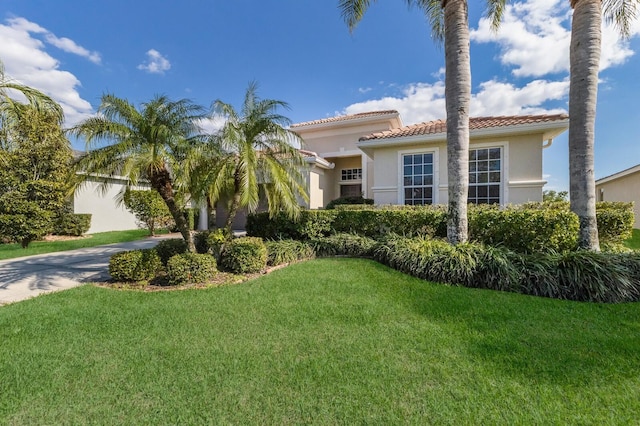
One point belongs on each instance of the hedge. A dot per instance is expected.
(74, 224)
(168, 248)
(528, 228)
(287, 251)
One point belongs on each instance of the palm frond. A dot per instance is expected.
(621, 13)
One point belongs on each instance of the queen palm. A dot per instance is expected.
(159, 143)
(449, 22)
(257, 158)
(586, 41)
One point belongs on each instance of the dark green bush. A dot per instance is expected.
(615, 221)
(344, 245)
(244, 255)
(286, 251)
(311, 224)
(349, 201)
(71, 224)
(524, 229)
(408, 220)
(191, 268)
(210, 241)
(169, 248)
(135, 265)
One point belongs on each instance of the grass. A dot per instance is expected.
(634, 241)
(10, 251)
(364, 344)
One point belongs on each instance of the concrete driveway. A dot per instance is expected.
(30, 276)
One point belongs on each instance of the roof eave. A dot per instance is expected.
(618, 175)
(348, 122)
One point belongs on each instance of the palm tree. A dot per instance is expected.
(159, 143)
(586, 42)
(449, 22)
(255, 155)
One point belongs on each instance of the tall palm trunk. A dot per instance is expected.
(457, 98)
(583, 93)
(161, 182)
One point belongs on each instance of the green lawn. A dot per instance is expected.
(634, 241)
(330, 341)
(10, 251)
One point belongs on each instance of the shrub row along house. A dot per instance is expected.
(372, 154)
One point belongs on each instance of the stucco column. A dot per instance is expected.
(203, 219)
(365, 185)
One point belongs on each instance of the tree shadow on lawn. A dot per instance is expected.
(555, 341)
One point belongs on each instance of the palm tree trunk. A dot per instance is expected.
(161, 182)
(235, 203)
(457, 98)
(583, 92)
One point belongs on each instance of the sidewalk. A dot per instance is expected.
(26, 277)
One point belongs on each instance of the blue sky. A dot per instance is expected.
(301, 52)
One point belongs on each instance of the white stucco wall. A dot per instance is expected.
(106, 215)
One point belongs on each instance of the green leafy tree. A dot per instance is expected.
(551, 196)
(160, 143)
(34, 182)
(255, 154)
(586, 44)
(449, 22)
(149, 208)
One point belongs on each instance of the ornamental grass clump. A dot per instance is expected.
(287, 251)
(135, 265)
(244, 255)
(190, 268)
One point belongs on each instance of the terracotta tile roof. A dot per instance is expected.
(475, 123)
(345, 118)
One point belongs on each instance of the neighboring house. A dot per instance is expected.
(374, 155)
(106, 213)
(622, 186)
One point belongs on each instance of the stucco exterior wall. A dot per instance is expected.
(521, 169)
(626, 188)
(339, 140)
(318, 188)
(106, 214)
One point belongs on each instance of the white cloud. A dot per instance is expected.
(156, 63)
(424, 102)
(62, 43)
(535, 35)
(364, 90)
(26, 60)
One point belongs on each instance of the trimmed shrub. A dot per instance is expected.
(524, 229)
(169, 248)
(349, 201)
(244, 255)
(191, 268)
(344, 245)
(615, 221)
(74, 224)
(287, 251)
(135, 265)
(210, 241)
(310, 224)
(410, 220)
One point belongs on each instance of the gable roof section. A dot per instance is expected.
(349, 119)
(478, 126)
(621, 174)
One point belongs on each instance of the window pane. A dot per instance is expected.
(472, 177)
(408, 170)
(473, 154)
(494, 153)
(494, 177)
(483, 191)
(407, 181)
(417, 180)
(428, 180)
(417, 170)
(407, 193)
(482, 177)
(483, 154)
(483, 166)
(408, 159)
(428, 158)
(417, 159)
(494, 191)
(473, 166)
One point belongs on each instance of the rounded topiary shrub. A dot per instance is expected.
(244, 255)
(168, 248)
(190, 268)
(135, 265)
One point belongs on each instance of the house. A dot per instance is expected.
(373, 154)
(622, 186)
(106, 213)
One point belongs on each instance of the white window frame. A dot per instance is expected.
(436, 171)
(348, 181)
(504, 166)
